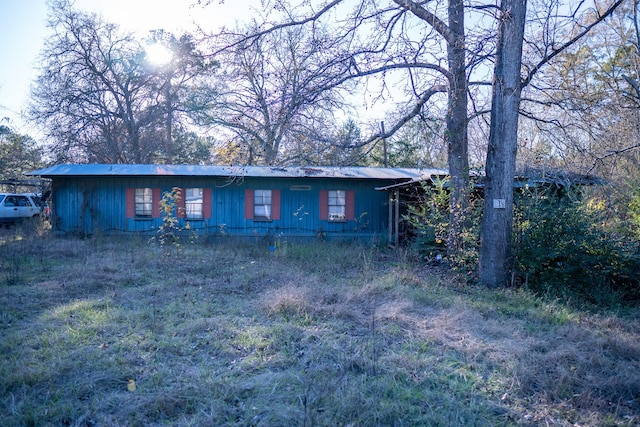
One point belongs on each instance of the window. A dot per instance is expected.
(337, 205)
(193, 203)
(143, 202)
(17, 201)
(262, 204)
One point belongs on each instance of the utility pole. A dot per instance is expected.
(384, 145)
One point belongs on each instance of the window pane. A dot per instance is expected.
(262, 204)
(336, 212)
(193, 194)
(337, 197)
(263, 211)
(143, 201)
(193, 203)
(262, 197)
(22, 201)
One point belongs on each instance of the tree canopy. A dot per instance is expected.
(98, 98)
(19, 153)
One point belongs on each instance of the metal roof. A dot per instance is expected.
(234, 171)
(527, 178)
(434, 174)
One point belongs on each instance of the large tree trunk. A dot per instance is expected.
(497, 221)
(169, 122)
(456, 132)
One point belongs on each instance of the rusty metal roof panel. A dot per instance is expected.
(427, 174)
(233, 171)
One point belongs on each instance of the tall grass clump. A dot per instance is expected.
(21, 245)
(12, 273)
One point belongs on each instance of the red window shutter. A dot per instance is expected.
(324, 204)
(156, 196)
(130, 203)
(275, 204)
(206, 203)
(248, 204)
(181, 205)
(350, 205)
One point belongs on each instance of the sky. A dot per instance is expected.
(23, 30)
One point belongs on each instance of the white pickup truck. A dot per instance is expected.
(17, 207)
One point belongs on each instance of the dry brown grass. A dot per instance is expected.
(309, 335)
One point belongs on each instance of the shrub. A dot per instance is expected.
(171, 231)
(429, 221)
(634, 211)
(572, 247)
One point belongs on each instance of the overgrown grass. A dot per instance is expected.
(308, 335)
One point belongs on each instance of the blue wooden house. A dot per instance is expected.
(226, 200)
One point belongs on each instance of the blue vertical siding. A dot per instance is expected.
(98, 205)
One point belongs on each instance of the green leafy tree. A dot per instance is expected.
(419, 144)
(19, 154)
(344, 147)
(194, 149)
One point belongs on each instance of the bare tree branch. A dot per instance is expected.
(555, 52)
(422, 13)
(415, 111)
(294, 23)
